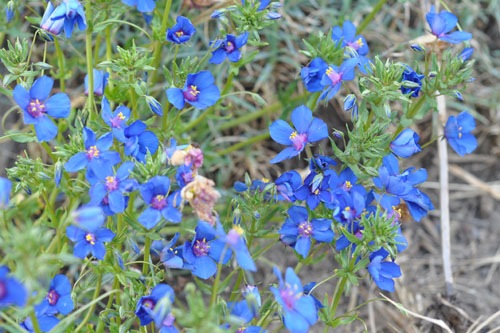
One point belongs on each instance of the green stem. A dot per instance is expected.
(159, 43)
(62, 68)
(362, 26)
(242, 144)
(197, 121)
(90, 64)
(116, 285)
(34, 322)
(48, 150)
(411, 113)
(215, 286)
(270, 109)
(97, 291)
(147, 246)
(339, 290)
(234, 293)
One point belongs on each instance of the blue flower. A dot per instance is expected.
(299, 309)
(205, 251)
(36, 105)
(346, 37)
(458, 133)
(228, 48)
(236, 243)
(96, 157)
(349, 102)
(298, 231)
(144, 6)
(5, 188)
(58, 299)
(12, 292)
(307, 129)
(155, 194)
(172, 257)
(167, 325)
(354, 46)
(157, 304)
(88, 235)
(397, 186)
(441, 24)
(139, 141)
(334, 76)
(466, 53)
(307, 291)
(66, 15)
(100, 82)
(343, 181)
(383, 272)
(154, 105)
(9, 11)
(245, 311)
(45, 321)
(117, 119)
(411, 82)
(287, 184)
(417, 48)
(311, 75)
(199, 90)
(349, 205)
(184, 175)
(182, 31)
(406, 143)
(113, 187)
(315, 189)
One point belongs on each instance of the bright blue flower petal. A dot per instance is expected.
(175, 96)
(58, 105)
(318, 130)
(302, 246)
(149, 218)
(41, 88)
(21, 96)
(116, 202)
(280, 132)
(286, 153)
(204, 268)
(45, 129)
(301, 118)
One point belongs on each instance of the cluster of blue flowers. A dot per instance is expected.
(351, 202)
(111, 155)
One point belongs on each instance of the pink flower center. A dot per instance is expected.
(230, 47)
(298, 140)
(90, 238)
(117, 121)
(201, 247)
(357, 44)
(169, 320)
(347, 185)
(191, 94)
(289, 297)
(3, 290)
(305, 229)
(111, 183)
(36, 108)
(148, 303)
(92, 152)
(159, 202)
(52, 297)
(334, 76)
